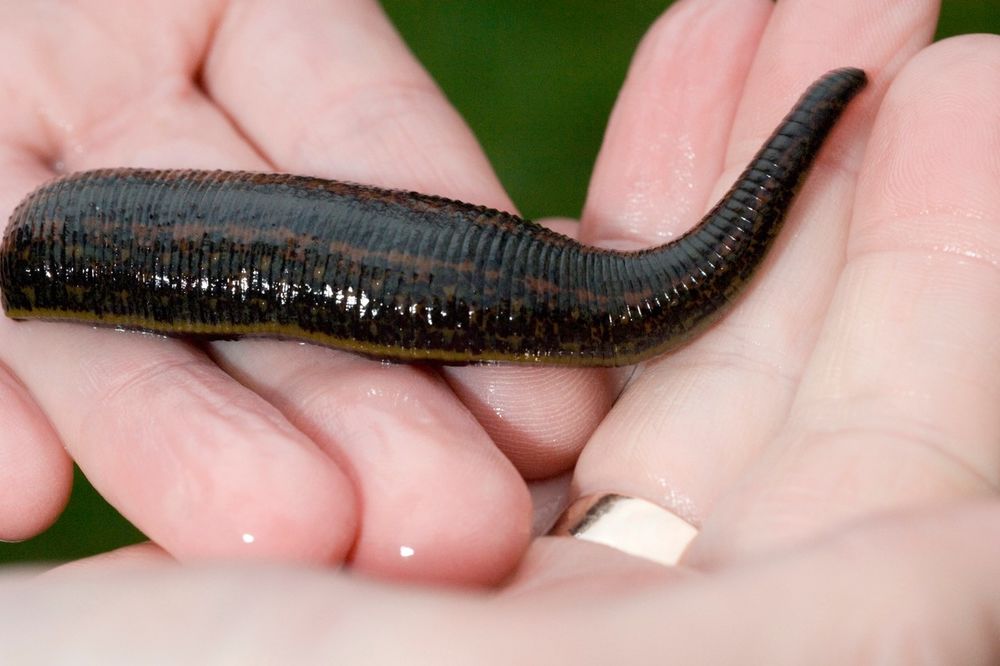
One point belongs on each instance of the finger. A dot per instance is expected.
(918, 590)
(898, 406)
(437, 500)
(664, 146)
(666, 139)
(35, 472)
(649, 182)
(199, 463)
(694, 420)
(336, 93)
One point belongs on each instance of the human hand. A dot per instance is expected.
(263, 449)
(810, 525)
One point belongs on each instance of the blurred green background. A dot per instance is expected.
(538, 99)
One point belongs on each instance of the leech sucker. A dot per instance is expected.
(388, 273)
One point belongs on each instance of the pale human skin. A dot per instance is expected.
(836, 436)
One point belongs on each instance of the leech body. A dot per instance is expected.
(388, 273)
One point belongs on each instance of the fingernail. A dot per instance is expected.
(629, 524)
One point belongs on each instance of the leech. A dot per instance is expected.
(386, 273)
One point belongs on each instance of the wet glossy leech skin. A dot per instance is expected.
(387, 273)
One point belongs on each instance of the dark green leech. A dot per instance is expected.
(388, 273)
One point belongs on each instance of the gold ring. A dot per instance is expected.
(629, 524)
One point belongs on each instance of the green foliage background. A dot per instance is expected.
(536, 81)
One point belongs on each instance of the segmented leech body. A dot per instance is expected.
(390, 273)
